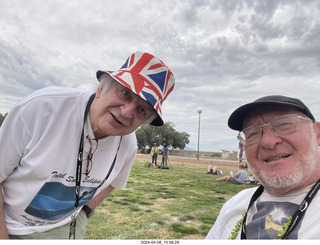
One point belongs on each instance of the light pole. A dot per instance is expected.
(199, 111)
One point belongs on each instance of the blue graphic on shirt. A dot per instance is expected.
(56, 201)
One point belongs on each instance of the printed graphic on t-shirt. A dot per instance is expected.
(268, 220)
(56, 201)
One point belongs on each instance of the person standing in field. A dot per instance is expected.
(165, 155)
(154, 154)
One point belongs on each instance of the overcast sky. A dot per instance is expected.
(223, 53)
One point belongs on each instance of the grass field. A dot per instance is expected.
(182, 202)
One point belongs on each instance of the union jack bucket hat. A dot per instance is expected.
(148, 77)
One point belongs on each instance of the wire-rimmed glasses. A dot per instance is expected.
(90, 147)
(281, 126)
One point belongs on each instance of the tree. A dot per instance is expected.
(147, 135)
(2, 117)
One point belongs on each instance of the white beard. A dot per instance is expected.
(294, 177)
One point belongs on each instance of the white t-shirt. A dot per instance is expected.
(267, 215)
(39, 143)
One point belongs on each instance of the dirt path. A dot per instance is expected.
(225, 164)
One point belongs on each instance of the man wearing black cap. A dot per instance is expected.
(62, 150)
(281, 140)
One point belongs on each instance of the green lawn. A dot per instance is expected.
(179, 203)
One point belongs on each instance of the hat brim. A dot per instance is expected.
(236, 118)
(157, 121)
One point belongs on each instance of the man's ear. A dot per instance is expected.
(98, 93)
(317, 131)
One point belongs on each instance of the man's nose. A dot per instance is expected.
(128, 109)
(269, 138)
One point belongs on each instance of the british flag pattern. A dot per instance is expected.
(148, 77)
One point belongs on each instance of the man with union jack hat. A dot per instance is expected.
(63, 151)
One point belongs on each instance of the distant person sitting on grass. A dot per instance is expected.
(253, 180)
(239, 177)
(151, 165)
(214, 170)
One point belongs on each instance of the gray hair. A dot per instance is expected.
(105, 82)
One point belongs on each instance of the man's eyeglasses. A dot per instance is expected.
(90, 147)
(281, 126)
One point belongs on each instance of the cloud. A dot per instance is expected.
(222, 53)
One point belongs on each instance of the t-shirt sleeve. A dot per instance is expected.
(14, 137)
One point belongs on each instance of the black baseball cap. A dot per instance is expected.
(236, 118)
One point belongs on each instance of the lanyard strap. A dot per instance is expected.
(254, 197)
(72, 231)
(80, 153)
(80, 158)
(297, 216)
(86, 193)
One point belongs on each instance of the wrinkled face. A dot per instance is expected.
(284, 163)
(118, 111)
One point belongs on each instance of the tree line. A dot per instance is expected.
(147, 135)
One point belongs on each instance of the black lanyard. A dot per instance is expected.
(72, 231)
(80, 153)
(80, 157)
(297, 216)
